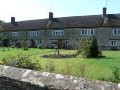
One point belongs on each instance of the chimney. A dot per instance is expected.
(13, 20)
(104, 12)
(50, 16)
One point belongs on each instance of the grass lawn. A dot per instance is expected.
(94, 68)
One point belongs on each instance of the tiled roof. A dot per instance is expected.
(64, 22)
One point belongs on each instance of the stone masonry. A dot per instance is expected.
(12, 78)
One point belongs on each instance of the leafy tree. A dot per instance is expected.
(83, 47)
(88, 48)
(4, 40)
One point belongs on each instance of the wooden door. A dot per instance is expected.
(60, 44)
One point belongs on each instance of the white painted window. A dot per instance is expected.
(28, 42)
(15, 34)
(53, 42)
(87, 31)
(34, 33)
(58, 32)
(116, 31)
(66, 42)
(113, 43)
(38, 42)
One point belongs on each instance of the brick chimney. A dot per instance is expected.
(104, 12)
(50, 16)
(13, 20)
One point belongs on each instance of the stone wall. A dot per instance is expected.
(12, 78)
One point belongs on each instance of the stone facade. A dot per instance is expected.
(25, 79)
(104, 36)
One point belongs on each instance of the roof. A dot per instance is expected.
(64, 22)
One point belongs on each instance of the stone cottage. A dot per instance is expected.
(66, 31)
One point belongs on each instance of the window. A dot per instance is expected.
(87, 31)
(15, 34)
(34, 33)
(66, 42)
(58, 32)
(116, 31)
(113, 43)
(38, 42)
(53, 42)
(28, 42)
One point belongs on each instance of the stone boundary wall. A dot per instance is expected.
(37, 80)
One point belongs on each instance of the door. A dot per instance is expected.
(60, 44)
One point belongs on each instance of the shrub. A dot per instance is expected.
(94, 47)
(18, 44)
(116, 74)
(88, 48)
(21, 61)
(83, 47)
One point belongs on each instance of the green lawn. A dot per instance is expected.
(94, 68)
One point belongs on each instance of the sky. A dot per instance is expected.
(39, 9)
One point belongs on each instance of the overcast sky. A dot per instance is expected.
(38, 9)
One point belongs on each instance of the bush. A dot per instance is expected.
(88, 48)
(116, 74)
(83, 47)
(21, 61)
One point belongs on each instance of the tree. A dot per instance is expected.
(83, 47)
(4, 40)
(88, 48)
(94, 47)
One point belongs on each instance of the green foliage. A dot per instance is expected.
(95, 68)
(94, 47)
(21, 61)
(115, 77)
(21, 44)
(88, 48)
(116, 74)
(4, 40)
(83, 49)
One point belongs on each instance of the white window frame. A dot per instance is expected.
(113, 43)
(34, 33)
(38, 42)
(87, 31)
(53, 42)
(58, 32)
(116, 31)
(15, 34)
